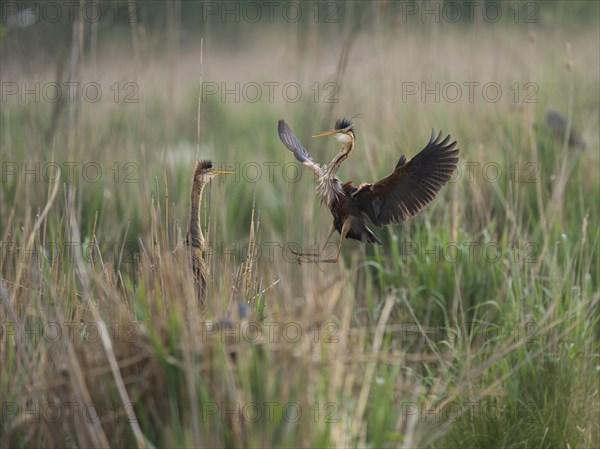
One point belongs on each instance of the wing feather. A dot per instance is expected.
(411, 186)
(291, 142)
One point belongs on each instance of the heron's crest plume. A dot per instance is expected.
(344, 123)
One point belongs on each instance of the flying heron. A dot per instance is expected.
(203, 173)
(402, 194)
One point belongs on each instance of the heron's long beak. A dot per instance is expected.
(327, 133)
(229, 171)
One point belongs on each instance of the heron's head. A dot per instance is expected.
(204, 171)
(343, 131)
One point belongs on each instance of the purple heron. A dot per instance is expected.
(203, 173)
(402, 194)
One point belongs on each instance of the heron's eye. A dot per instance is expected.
(206, 164)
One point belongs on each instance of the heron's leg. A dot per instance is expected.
(363, 246)
(345, 229)
(329, 234)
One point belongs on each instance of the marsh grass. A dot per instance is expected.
(380, 350)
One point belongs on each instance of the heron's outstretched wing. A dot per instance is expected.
(293, 144)
(411, 186)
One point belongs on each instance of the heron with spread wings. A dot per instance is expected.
(402, 194)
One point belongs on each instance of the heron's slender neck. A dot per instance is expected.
(195, 237)
(341, 157)
(330, 188)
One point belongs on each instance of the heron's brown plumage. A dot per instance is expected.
(194, 237)
(203, 172)
(402, 194)
(411, 186)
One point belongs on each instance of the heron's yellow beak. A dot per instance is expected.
(229, 171)
(327, 133)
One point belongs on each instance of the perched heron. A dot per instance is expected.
(203, 173)
(392, 200)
